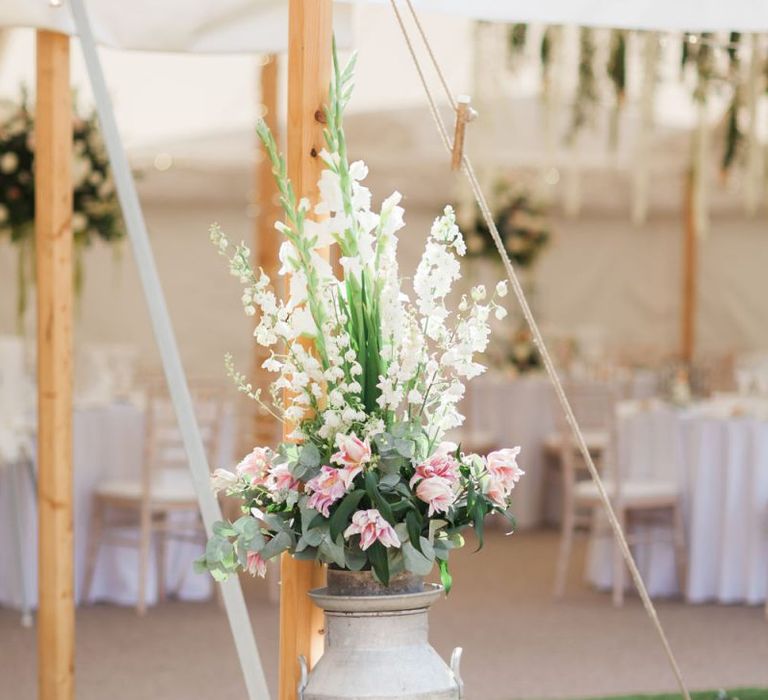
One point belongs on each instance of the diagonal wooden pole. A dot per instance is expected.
(309, 70)
(53, 246)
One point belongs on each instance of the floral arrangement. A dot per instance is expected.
(367, 382)
(522, 223)
(520, 354)
(96, 210)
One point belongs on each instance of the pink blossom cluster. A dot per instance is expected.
(437, 479)
(258, 469)
(502, 473)
(332, 483)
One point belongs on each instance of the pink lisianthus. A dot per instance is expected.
(255, 466)
(372, 527)
(352, 451)
(502, 464)
(437, 492)
(281, 479)
(442, 465)
(255, 564)
(329, 486)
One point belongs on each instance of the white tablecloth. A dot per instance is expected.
(506, 411)
(721, 464)
(108, 443)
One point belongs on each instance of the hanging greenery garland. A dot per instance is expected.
(517, 35)
(734, 134)
(712, 62)
(617, 72)
(96, 210)
(587, 94)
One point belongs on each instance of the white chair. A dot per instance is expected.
(164, 489)
(636, 502)
(592, 403)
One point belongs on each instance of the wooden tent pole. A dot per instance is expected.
(309, 69)
(266, 238)
(53, 233)
(689, 274)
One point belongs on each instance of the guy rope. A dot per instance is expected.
(531, 321)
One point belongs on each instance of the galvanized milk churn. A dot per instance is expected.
(376, 645)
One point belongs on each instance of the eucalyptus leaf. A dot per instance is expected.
(415, 561)
(224, 529)
(390, 479)
(355, 558)
(396, 562)
(434, 526)
(277, 545)
(308, 553)
(309, 456)
(219, 574)
(405, 448)
(332, 551)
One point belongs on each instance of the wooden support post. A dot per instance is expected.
(309, 70)
(267, 239)
(53, 232)
(689, 273)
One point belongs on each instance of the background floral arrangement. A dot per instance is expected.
(372, 484)
(522, 223)
(96, 208)
(523, 356)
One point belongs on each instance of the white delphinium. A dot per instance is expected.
(437, 271)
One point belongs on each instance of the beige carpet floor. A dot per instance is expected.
(517, 642)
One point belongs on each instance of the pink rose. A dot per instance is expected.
(437, 492)
(372, 527)
(329, 486)
(352, 450)
(255, 466)
(502, 464)
(439, 464)
(281, 479)
(255, 565)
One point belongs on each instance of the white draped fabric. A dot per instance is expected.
(241, 26)
(224, 26)
(683, 15)
(108, 444)
(719, 458)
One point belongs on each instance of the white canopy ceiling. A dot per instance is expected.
(202, 26)
(237, 26)
(662, 15)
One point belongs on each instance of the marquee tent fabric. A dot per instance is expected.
(662, 15)
(216, 26)
(241, 26)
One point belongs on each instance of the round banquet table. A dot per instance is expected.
(108, 443)
(717, 451)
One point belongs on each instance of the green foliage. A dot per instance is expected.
(738, 694)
